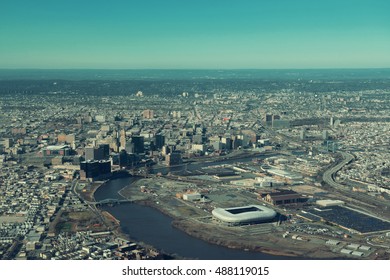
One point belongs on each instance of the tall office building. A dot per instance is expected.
(160, 141)
(105, 150)
(138, 142)
(114, 145)
(123, 159)
(165, 150)
(95, 170)
(97, 153)
(122, 139)
(89, 153)
(228, 142)
(173, 158)
(217, 145)
(129, 148)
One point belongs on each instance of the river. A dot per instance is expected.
(146, 224)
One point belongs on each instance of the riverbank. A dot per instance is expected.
(263, 238)
(203, 233)
(232, 238)
(118, 228)
(87, 194)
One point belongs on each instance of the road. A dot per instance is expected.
(91, 205)
(377, 206)
(328, 176)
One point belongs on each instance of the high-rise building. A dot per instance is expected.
(95, 170)
(129, 147)
(165, 150)
(105, 150)
(198, 147)
(114, 145)
(123, 159)
(148, 114)
(228, 142)
(217, 145)
(8, 142)
(236, 143)
(160, 141)
(173, 158)
(138, 142)
(89, 153)
(270, 119)
(97, 153)
(122, 139)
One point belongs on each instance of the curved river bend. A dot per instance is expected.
(146, 224)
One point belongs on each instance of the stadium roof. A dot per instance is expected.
(244, 214)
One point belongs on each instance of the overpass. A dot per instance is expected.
(328, 176)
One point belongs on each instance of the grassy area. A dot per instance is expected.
(74, 221)
(64, 227)
(81, 216)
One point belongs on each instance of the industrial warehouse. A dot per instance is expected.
(244, 215)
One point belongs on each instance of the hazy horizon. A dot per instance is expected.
(194, 74)
(199, 69)
(199, 34)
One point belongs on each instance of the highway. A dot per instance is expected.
(328, 176)
(378, 207)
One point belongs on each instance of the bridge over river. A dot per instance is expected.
(109, 201)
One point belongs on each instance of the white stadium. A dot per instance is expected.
(244, 214)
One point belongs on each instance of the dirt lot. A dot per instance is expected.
(80, 221)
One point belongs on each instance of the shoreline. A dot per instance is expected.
(177, 223)
(118, 231)
(263, 246)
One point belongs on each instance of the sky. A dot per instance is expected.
(194, 34)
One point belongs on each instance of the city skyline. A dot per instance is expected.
(276, 168)
(195, 35)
